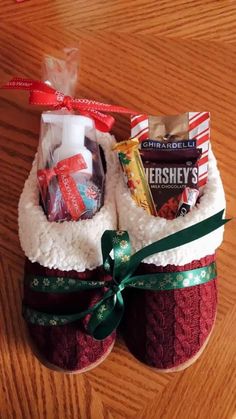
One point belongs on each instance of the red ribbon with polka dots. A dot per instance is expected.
(44, 95)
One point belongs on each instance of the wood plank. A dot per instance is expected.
(211, 19)
(164, 74)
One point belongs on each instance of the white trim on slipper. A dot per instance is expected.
(68, 245)
(145, 229)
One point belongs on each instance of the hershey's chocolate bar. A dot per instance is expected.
(167, 181)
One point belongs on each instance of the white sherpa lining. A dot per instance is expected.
(69, 245)
(145, 229)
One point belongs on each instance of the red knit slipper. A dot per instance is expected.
(68, 347)
(168, 329)
(61, 256)
(173, 325)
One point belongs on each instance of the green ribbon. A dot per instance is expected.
(107, 313)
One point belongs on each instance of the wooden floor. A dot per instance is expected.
(159, 59)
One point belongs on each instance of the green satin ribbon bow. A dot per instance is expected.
(107, 313)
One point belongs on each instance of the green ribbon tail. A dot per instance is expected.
(180, 238)
(107, 313)
(120, 244)
(107, 245)
(107, 317)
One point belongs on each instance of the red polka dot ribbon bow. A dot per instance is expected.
(44, 95)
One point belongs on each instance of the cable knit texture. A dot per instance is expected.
(67, 347)
(68, 249)
(165, 329)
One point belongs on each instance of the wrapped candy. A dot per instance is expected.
(187, 201)
(70, 172)
(132, 166)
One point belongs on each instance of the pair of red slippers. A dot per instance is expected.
(166, 321)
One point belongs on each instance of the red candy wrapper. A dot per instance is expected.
(187, 201)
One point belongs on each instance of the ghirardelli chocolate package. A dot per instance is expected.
(174, 152)
(190, 130)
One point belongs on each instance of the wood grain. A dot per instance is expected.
(176, 61)
(201, 19)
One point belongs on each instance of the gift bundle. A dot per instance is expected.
(117, 234)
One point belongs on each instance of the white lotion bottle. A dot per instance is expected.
(73, 136)
(73, 129)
